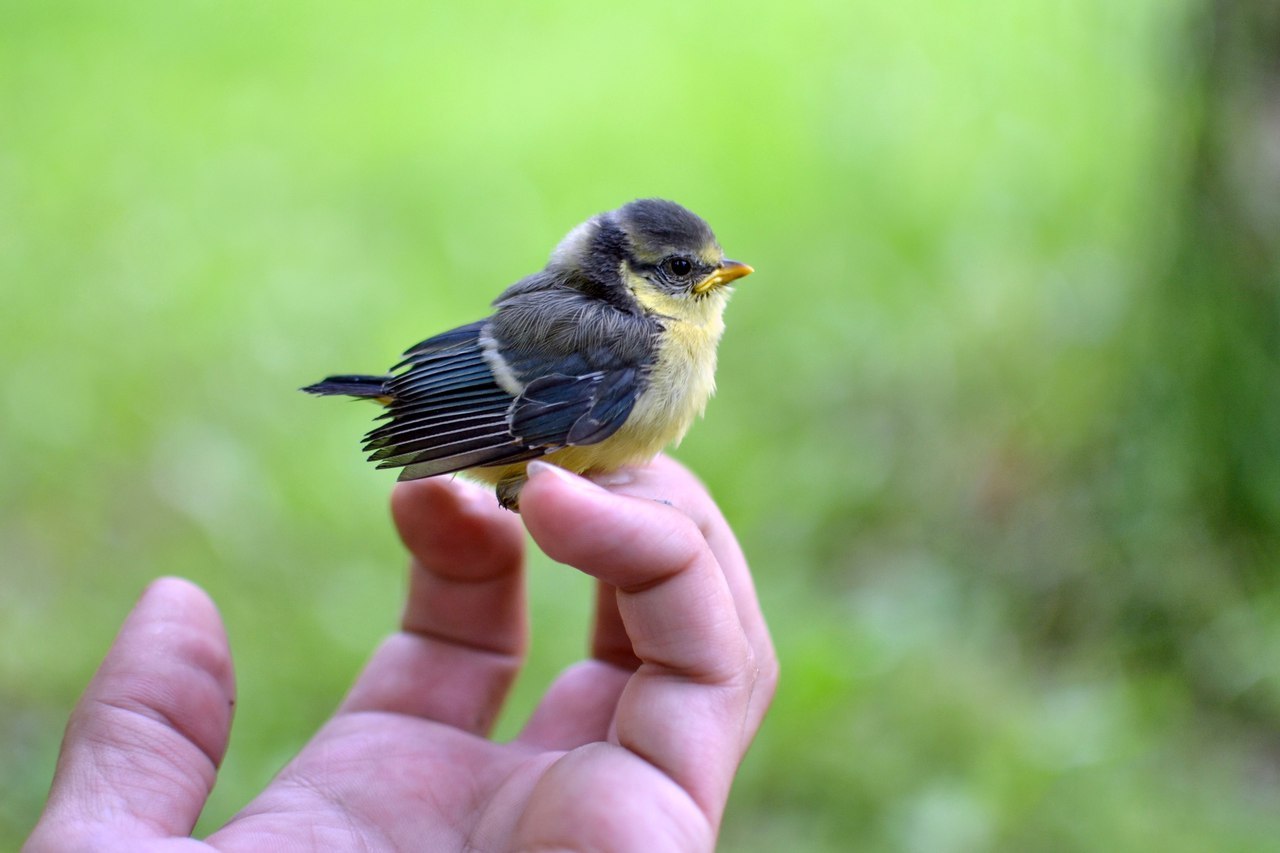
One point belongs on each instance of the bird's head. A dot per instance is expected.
(655, 252)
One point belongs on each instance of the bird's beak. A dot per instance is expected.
(727, 271)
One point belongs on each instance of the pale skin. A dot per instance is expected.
(634, 748)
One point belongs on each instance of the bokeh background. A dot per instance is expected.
(998, 422)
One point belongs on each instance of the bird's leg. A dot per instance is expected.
(508, 491)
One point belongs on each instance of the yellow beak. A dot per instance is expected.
(727, 271)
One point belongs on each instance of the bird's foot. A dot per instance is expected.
(508, 492)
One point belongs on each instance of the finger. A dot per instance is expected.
(143, 745)
(667, 481)
(686, 709)
(609, 640)
(464, 627)
(578, 707)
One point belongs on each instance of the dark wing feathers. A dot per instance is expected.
(463, 461)
(612, 401)
(493, 446)
(448, 413)
(550, 405)
(439, 346)
(351, 386)
(569, 410)
(436, 378)
(425, 435)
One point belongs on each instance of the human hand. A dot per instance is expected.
(632, 749)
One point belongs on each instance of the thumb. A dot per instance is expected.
(143, 745)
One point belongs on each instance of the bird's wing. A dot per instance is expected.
(582, 367)
(446, 413)
(558, 410)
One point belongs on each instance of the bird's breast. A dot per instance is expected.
(683, 378)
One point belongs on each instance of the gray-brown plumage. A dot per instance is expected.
(598, 361)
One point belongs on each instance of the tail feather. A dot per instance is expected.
(372, 387)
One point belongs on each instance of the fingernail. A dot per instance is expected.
(611, 479)
(538, 466)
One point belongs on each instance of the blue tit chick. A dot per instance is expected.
(600, 360)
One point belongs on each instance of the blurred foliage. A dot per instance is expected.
(998, 415)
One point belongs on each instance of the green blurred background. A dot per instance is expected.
(998, 422)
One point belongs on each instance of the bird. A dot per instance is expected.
(599, 361)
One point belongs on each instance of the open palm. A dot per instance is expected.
(634, 748)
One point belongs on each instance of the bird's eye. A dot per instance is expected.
(679, 267)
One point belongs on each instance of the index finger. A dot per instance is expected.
(688, 709)
(463, 634)
(667, 481)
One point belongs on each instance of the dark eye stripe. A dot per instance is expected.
(662, 272)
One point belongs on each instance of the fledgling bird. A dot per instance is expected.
(600, 360)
